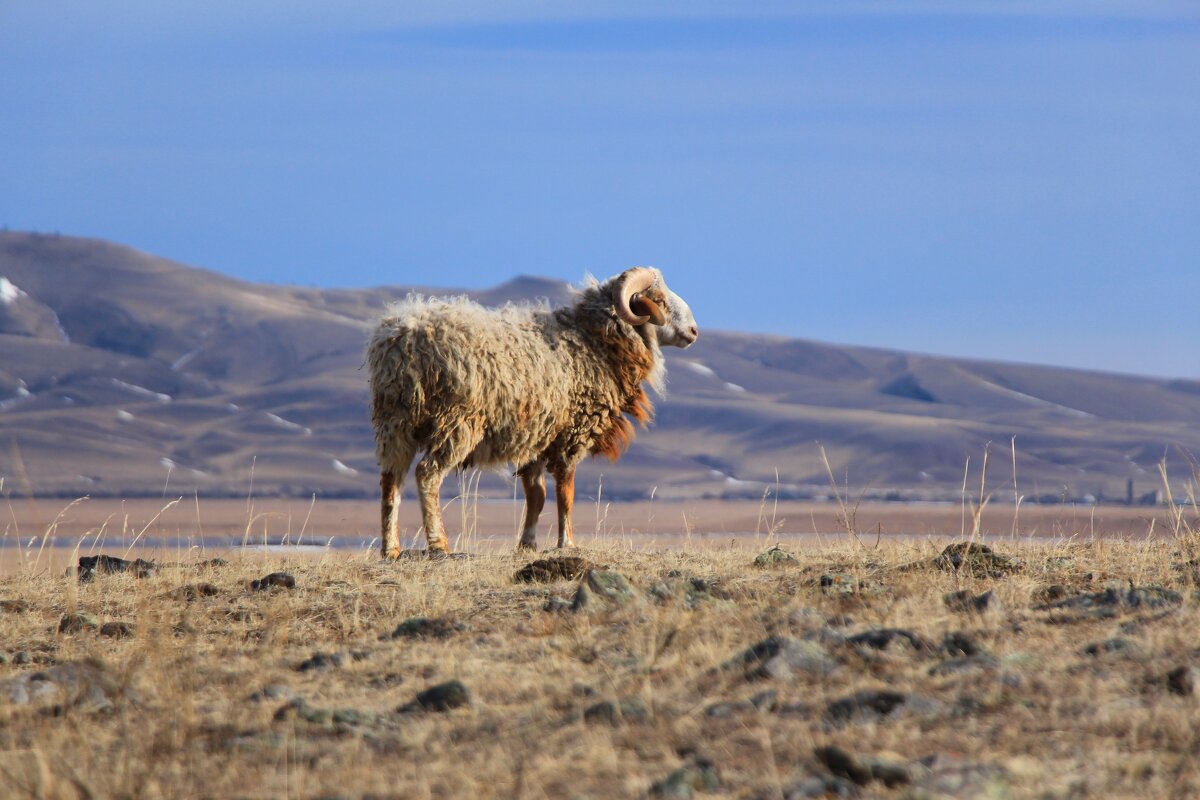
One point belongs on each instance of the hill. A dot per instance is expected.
(122, 373)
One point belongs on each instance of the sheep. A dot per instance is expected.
(527, 386)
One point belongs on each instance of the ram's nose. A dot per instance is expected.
(690, 334)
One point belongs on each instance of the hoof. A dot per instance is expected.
(391, 555)
(524, 546)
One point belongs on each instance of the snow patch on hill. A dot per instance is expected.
(9, 292)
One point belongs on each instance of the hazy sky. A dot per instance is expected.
(1016, 180)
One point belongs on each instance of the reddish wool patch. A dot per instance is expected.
(635, 365)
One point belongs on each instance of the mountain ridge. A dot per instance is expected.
(123, 373)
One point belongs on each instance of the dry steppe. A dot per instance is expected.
(1049, 667)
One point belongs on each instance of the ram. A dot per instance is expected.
(533, 387)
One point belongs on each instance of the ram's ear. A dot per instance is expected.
(644, 307)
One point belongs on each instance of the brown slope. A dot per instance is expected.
(179, 377)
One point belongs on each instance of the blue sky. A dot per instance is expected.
(997, 179)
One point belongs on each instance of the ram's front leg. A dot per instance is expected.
(564, 491)
(534, 483)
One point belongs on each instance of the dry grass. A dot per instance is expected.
(1056, 721)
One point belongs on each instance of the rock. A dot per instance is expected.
(557, 605)
(946, 776)
(775, 557)
(274, 691)
(961, 643)
(954, 666)
(691, 592)
(193, 592)
(87, 683)
(1108, 646)
(78, 621)
(628, 709)
(819, 786)
(213, 563)
(91, 566)
(782, 658)
(602, 591)
(884, 638)
(15, 606)
(1112, 602)
(314, 715)
(22, 657)
(843, 583)
(426, 628)
(976, 559)
(862, 770)
(874, 704)
(276, 580)
(965, 602)
(687, 780)
(117, 630)
(442, 697)
(1182, 681)
(549, 570)
(320, 661)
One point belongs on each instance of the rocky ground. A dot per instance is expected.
(899, 670)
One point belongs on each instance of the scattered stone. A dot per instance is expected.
(946, 776)
(426, 628)
(193, 592)
(1112, 602)
(978, 560)
(602, 591)
(782, 658)
(280, 580)
(549, 570)
(345, 717)
(961, 643)
(862, 770)
(15, 606)
(321, 661)
(213, 563)
(874, 704)
(844, 583)
(965, 602)
(775, 557)
(22, 657)
(91, 566)
(884, 638)
(1051, 594)
(117, 630)
(683, 783)
(1183, 680)
(839, 621)
(954, 666)
(442, 697)
(78, 621)
(557, 605)
(691, 592)
(87, 683)
(628, 709)
(274, 691)
(1108, 646)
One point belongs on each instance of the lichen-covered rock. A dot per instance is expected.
(627, 709)
(78, 621)
(775, 557)
(91, 566)
(276, 580)
(549, 570)
(426, 628)
(602, 591)
(782, 658)
(976, 559)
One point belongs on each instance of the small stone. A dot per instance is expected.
(965, 602)
(775, 557)
(961, 643)
(117, 630)
(549, 570)
(276, 580)
(321, 661)
(213, 563)
(426, 628)
(603, 591)
(77, 621)
(1108, 646)
(628, 709)
(91, 566)
(443, 697)
(782, 658)
(976, 559)
(22, 657)
(884, 638)
(946, 776)
(1182, 680)
(872, 704)
(687, 780)
(15, 606)
(193, 592)
(557, 605)
(274, 691)
(863, 770)
(954, 666)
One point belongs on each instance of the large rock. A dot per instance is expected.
(88, 684)
(782, 658)
(91, 566)
(602, 591)
(549, 570)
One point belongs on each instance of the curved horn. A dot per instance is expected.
(631, 305)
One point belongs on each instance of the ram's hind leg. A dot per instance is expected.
(534, 483)
(389, 497)
(564, 492)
